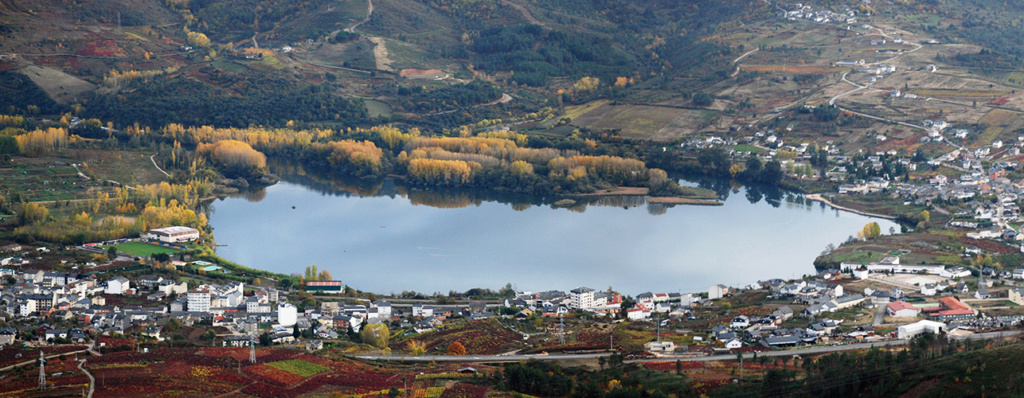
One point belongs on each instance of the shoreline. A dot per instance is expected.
(818, 198)
(643, 191)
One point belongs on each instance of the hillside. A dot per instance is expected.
(159, 62)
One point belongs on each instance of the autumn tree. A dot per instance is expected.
(235, 157)
(376, 334)
(586, 83)
(416, 347)
(43, 142)
(870, 231)
(31, 213)
(198, 39)
(455, 348)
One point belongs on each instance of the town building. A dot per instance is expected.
(175, 234)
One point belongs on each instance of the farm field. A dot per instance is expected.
(643, 121)
(479, 337)
(43, 181)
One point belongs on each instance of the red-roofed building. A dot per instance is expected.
(638, 312)
(951, 308)
(902, 309)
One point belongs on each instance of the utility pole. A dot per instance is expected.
(42, 371)
(659, 327)
(252, 351)
(561, 330)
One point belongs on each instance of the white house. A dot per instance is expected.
(287, 314)
(1016, 295)
(175, 234)
(660, 346)
(919, 327)
(639, 312)
(734, 344)
(955, 272)
(117, 285)
(717, 291)
(740, 322)
(425, 311)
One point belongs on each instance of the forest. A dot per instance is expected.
(534, 54)
(446, 98)
(257, 100)
(22, 96)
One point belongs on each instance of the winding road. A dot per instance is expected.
(92, 380)
(369, 13)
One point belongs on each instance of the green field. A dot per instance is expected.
(376, 108)
(141, 249)
(299, 367)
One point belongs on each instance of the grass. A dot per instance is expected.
(376, 108)
(136, 36)
(943, 92)
(142, 249)
(859, 257)
(298, 367)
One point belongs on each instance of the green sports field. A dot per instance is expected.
(142, 249)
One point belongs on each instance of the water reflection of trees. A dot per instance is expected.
(443, 200)
(326, 183)
(657, 209)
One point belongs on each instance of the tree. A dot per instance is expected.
(112, 252)
(376, 335)
(210, 335)
(870, 231)
(31, 213)
(172, 325)
(455, 348)
(772, 173)
(198, 39)
(266, 340)
(416, 347)
(703, 99)
(296, 333)
(924, 216)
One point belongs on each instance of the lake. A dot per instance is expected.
(387, 239)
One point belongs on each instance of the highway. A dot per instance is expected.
(724, 357)
(479, 358)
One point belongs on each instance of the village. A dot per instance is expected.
(861, 302)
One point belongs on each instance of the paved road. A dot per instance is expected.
(726, 357)
(369, 13)
(151, 158)
(479, 358)
(35, 359)
(783, 353)
(879, 315)
(92, 380)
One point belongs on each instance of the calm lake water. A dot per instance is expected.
(385, 239)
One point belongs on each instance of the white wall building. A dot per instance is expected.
(581, 297)
(199, 299)
(117, 285)
(287, 314)
(173, 234)
(717, 291)
(919, 327)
